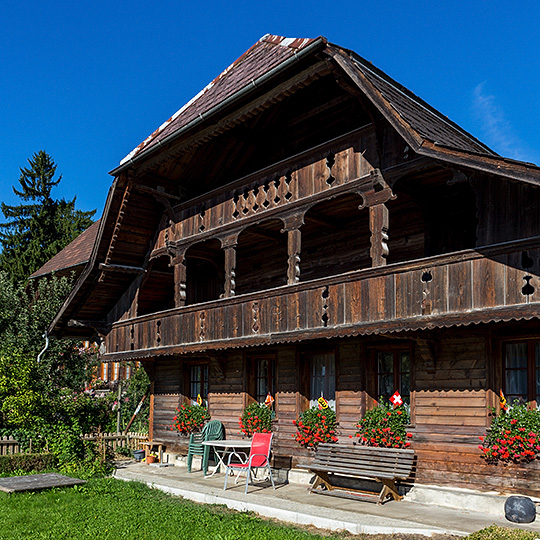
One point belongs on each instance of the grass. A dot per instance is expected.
(112, 509)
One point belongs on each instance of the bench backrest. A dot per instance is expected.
(368, 461)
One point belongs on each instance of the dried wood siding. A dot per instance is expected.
(404, 295)
(226, 398)
(506, 210)
(281, 187)
(167, 396)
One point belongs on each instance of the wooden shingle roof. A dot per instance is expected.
(74, 255)
(269, 52)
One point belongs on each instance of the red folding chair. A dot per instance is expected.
(259, 458)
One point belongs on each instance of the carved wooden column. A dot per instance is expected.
(374, 196)
(178, 262)
(378, 225)
(294, 246)
(229, 244)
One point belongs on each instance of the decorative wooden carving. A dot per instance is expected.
(228, 243)
(324, 318)
(180, 278)
(292, 224)
(294, 241)
(230, 271)
(426, 348)
(255, 326)
(202, 325)
(426, 278)
(158, 333)
(378, 225)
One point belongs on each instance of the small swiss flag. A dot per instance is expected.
(396, 399)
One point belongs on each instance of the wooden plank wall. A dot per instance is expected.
(516, 205)
(226, 400)
(404, 291)
(449, 404)
(167, 397)
(451, 413)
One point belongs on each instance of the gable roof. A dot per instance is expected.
(76, 254)
(425, 129)
(270, 64)
(245, 72)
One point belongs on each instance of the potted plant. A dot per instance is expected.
(384, 426)
(513, 437)
(256, 418)
(151, 458)
(314, 426)
(190, 418)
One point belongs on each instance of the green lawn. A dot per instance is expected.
(111, 509)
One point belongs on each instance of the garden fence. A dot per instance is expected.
(10, 445)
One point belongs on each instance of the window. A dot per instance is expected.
(198, 383)
(394, 373)
(264, 377)
(116, 371)
(323, 378)
(521, 365)
(105, 371)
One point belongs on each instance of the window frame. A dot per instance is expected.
(532, 370)
(205, 369)
(306, 374)
(397, 373)
(254, 376)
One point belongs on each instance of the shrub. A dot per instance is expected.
(384, 426)
(26, 463)
(315, 426)
(513, 437)
(190, 418)
(256, 418)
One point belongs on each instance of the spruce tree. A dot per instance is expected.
(41, 226)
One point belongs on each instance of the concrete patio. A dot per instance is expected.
(457, 512)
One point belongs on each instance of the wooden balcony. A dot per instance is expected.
(495, 283)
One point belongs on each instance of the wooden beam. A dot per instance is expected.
(156, 192)
(121, 268)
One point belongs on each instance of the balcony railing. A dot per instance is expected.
(495, 283)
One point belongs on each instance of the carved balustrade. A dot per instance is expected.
(347, 164)
(472, 286)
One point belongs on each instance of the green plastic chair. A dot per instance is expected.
(212, 431)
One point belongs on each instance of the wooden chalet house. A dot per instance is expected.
(306, 225)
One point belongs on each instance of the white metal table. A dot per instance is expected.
(225, 447)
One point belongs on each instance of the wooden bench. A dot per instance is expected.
(384, 465)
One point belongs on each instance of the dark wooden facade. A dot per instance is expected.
(324, 210)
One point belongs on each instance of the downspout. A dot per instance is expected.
(45, 335)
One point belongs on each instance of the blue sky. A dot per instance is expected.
(87, 82)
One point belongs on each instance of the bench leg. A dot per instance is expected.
(389, 489)
(322, 479)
